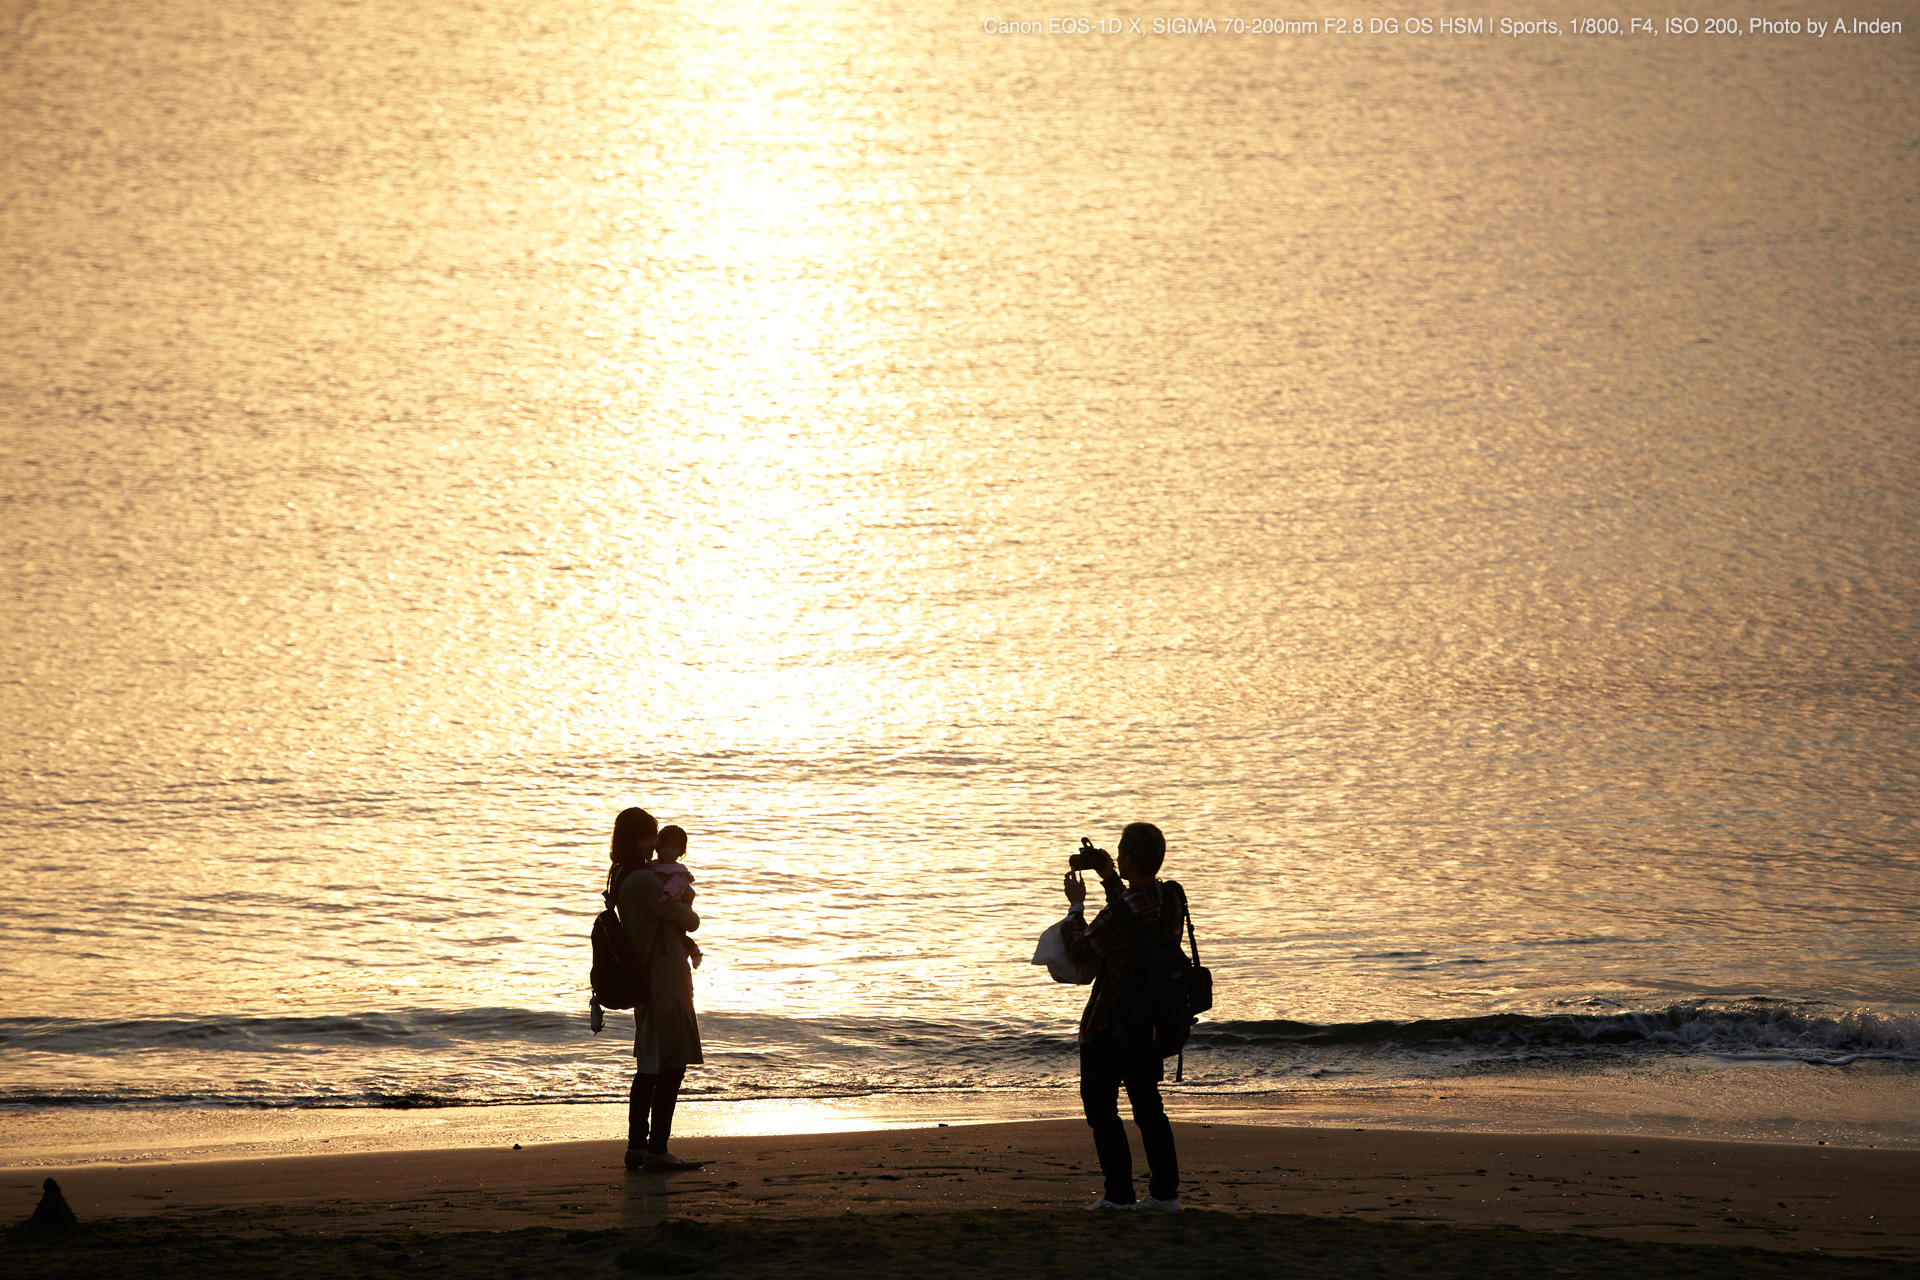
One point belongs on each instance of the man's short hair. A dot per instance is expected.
(1144, 843)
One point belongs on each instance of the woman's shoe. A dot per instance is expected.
(636, 1158)
(667, 1162)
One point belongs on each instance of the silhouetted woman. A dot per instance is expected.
(666, 1038)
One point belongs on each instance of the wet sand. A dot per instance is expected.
(926, 1199)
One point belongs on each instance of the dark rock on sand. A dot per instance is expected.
(52, 1218)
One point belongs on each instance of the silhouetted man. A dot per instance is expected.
(1107, 1059)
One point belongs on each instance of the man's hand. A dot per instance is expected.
(1075, 888)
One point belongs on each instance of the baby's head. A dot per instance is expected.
(672, 844)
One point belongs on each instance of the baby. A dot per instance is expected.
(675, 879)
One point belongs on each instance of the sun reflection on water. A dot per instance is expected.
(879, 477)
(752, 452)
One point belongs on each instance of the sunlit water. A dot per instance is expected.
(1464, 490)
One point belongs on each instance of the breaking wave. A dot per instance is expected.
(1756, 1027)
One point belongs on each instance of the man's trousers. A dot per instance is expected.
(1104, 1068)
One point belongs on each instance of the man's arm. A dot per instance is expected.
(1088, 943)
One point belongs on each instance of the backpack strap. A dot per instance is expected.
(1185, 915)
(612, 897)
(1125, 912)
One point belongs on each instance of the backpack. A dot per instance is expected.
(619, 979)
(1161, 991)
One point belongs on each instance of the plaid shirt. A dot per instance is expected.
(1102, 944)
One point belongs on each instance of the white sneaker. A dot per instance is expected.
(1149, 1204)
(1104, 1203)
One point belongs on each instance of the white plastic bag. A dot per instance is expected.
(1052, 952)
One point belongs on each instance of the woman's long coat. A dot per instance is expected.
(666, 1035)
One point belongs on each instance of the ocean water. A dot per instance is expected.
(1464, 490)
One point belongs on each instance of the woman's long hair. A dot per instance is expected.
(633, 835)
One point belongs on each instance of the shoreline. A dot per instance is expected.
(1762, 1103)
(1850, 1201)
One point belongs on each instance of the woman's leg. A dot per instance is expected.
(639, 1104)
(666, 1092)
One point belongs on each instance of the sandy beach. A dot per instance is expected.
(998, 1199)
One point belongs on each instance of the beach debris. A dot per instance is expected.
(52, 1219)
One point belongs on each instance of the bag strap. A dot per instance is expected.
(1143, 929)
(611, 894)
(1186, 915)
(1124, 912)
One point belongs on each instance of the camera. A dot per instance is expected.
(1086, 857)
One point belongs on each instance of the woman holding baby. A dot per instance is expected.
(654, 894)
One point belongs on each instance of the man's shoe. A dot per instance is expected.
(634, 1158)
(667, 1162)
(1152, 1205)
(1104, 1203)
